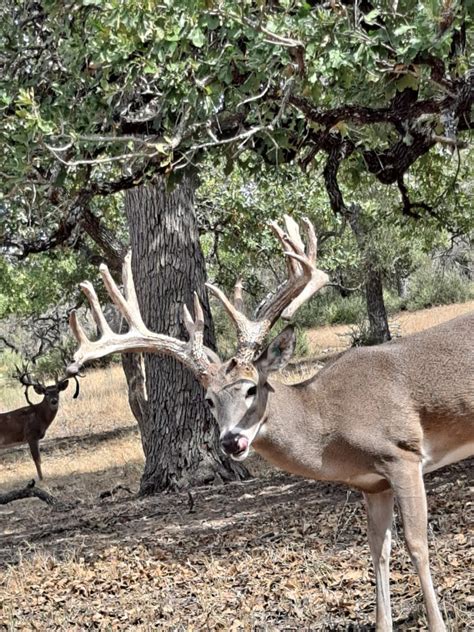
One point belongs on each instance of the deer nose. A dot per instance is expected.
(234, 443)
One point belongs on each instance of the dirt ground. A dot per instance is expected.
(274, 553)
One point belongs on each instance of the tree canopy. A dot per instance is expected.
(98, 96)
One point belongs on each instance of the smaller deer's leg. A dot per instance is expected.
(380, 514)
(35, 453)
(409, 490)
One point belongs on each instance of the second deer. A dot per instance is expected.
(30, 423)
(373, 418)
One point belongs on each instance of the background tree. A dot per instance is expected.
(101, 97)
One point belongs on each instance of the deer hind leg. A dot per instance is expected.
(409, 489)
(380, 514)
(35, 453)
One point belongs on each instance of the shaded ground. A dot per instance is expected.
(275, 553)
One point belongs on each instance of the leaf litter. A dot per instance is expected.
(273, 553)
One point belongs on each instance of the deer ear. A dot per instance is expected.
(278, 352)
(38, 389)
(62, 386)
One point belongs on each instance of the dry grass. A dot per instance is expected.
(275, 553)
(93, 435)
(331, 338)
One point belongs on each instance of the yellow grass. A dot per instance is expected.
(99, 412)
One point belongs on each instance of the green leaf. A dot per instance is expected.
(197, 37)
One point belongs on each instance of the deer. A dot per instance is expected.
(373, 418)
(30, 423)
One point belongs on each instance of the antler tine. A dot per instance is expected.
(25, 379)
(129, 289)
(238, 298)
(131, 315)
(96, 309)
(283, 239)
(76, 327)
(23, 375)
(237, 317)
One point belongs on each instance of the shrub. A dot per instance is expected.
(430, 286)
(330, 308)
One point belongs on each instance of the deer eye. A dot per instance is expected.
(209, 402)
(251, 392)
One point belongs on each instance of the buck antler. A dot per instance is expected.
(138, 338)
(23, 375)
(304, 279)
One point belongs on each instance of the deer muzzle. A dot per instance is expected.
(235, 445)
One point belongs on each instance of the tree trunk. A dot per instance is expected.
(377, 314)
(378, 322)
(179, 437)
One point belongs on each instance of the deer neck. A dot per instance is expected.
(291, 436)
(46, 413)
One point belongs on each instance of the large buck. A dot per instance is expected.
(374, 418)
(30, 423)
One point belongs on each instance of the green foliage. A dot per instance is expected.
(330, 308)
(100, 98)
(430, 286)
(31, 286)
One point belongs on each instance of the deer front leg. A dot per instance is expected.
(35, 453)
(409, 490)
(379, 515)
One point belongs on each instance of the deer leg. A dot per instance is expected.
(410, 492)
(380, 514)
(35, 453)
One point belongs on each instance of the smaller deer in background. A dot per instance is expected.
(30, 423)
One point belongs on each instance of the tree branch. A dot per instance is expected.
(30, 491)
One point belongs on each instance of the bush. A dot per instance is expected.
(429, 286)
(330, 308)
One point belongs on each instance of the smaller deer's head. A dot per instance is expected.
(238, 393)
(50, 393)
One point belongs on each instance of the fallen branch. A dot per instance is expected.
(30, 491)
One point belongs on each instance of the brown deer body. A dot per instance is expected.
(30, 423)
(373, 418)
(355, 431)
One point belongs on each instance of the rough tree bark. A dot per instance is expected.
(178, 433)
(377, 314)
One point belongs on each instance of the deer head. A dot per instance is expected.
(236, 390)
(51, 393)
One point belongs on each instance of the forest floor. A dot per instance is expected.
(273, 553)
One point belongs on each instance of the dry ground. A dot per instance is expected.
(274, 553)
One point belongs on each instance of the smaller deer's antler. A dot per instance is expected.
(23, 375)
